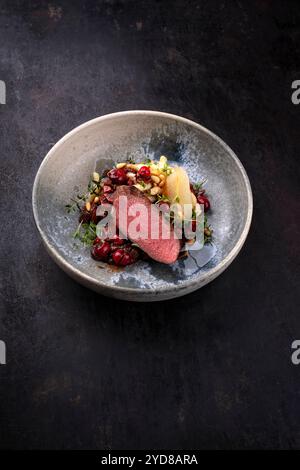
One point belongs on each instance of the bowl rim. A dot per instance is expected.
(96, 284)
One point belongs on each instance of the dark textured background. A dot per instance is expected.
(210, 370)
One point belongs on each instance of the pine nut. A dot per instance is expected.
(96, 177)
(131, 166)
(88, 206)
(96, 199)
(140, 187)
(156, 190)
(120, 165)
(155, 179)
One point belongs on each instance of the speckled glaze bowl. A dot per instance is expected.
(98, 143)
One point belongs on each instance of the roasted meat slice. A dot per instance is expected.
(144, 225)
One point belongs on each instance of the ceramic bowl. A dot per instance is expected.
(98, 143)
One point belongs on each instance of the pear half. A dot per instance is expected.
(177, 190)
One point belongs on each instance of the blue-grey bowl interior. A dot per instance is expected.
(65, 172)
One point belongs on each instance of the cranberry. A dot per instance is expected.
(118, 175)
(117, 256)
(116, 240)
(126, 260)
(122, 258)
(101, 251)
(203, 200)
(144, 172)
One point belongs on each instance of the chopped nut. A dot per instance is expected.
(96, 177)
(162, 176)
(96, 199)
(88, 206)
(131, 166)
(131, 175)
(155, 179)
(120, 165)
(156, 190)
(161, 184)
(140, 187)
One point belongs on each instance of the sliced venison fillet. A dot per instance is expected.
(158, 248)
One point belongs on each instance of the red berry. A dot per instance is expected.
(122, 258)
(203, 200)
(101, 251)
(144, 172)
(116, 240)
(97, 240)
(118, 175)
(118, 256)
(127, 259)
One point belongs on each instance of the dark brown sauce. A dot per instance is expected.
(112, 267)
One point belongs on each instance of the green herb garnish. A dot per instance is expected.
(198, 186)
(86, 233)
(75, 203)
